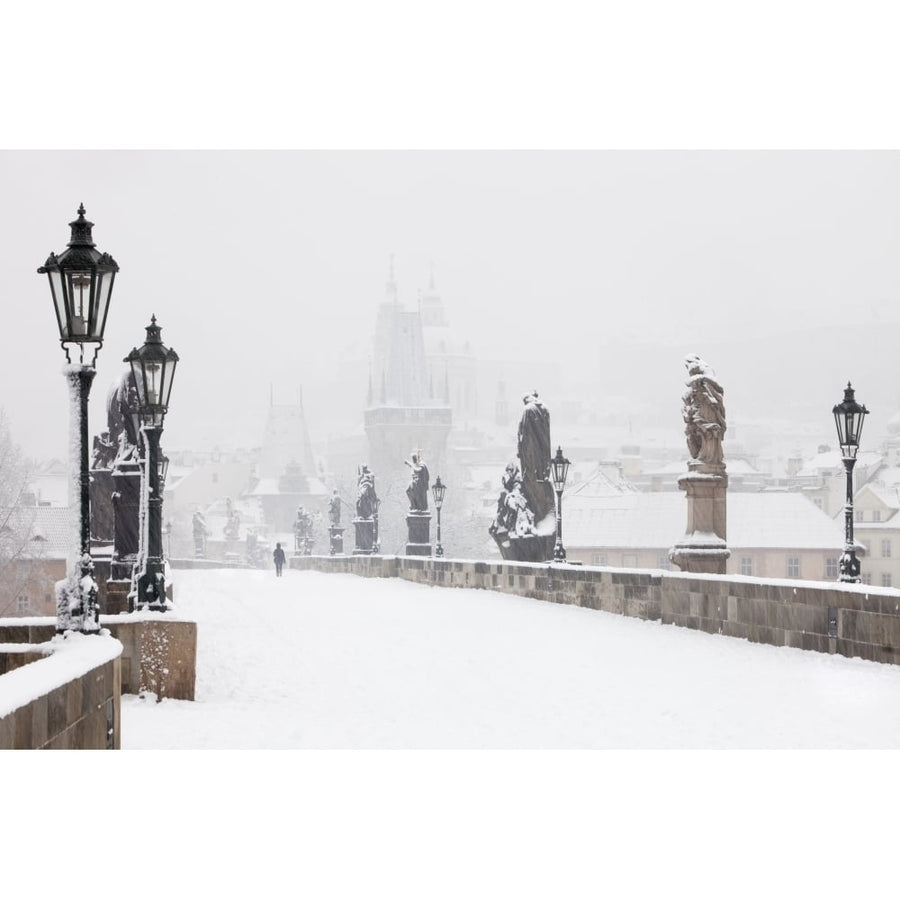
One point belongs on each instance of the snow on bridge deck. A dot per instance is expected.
(335, 661)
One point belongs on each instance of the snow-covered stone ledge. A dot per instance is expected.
(851, 620)
(64, 693)
(159, 654)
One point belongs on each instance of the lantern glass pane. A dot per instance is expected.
(153, 386)
(168, 375)
(839, 425)
(137, 371)
(104, 289)
(59, 302)
(78, 288)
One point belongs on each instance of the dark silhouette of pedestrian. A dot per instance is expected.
(278, 556)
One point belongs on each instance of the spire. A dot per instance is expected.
(391, 285)
(369, 395)
(431, 277)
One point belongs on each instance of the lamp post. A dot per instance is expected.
(848, 417)
(153, 366)
(438, 489)
(560, 468)
(81, 282)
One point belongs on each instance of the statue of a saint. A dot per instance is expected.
(704, 412)
(104, 452)
(417, 490)
(334, 508)
(301, 527)
(233, 523)
(198, 526)
(366, 499)
(505, 517)
(122, 412)
(534, 439)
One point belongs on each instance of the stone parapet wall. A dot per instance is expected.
(82, 713)
(851, 620)
(159, 652)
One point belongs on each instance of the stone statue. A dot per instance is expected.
(505, 518)
(334, 508)
(704, 413)
(122, 414)
(417, 490)
(534, 439)
(524, 525)
(104, 452)
(366, 498)
(198, 525)
(523, 517)
(301, 528)
(232, 526)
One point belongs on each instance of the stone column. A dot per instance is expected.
(418, 525)
(126, 478)
(365, 536)
(703, 547)
(336, 540)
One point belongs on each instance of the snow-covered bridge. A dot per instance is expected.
(315, 660)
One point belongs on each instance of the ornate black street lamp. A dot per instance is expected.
(81, 282)
(849, 417)
(438, 489)
(153, 367)
(559, 465)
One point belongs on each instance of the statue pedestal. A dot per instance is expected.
(419, 527)
(365, 536)
(126, 503)
(336, 539)
(525, 548)
(703, 547)
(103, 527)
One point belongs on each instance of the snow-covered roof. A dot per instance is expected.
(51, 487)
(267, 486)
(602, 481)
(889, 496)
(733, 466)
(658, 520)
(46, 530)
(832, 460)
(887, 475)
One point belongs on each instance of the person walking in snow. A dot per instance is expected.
(278, 556)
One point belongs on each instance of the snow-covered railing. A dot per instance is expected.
(63, 694)
(853, 620)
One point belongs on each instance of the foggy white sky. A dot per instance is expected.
(779, 268)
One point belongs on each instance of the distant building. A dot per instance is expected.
(876, 508)
(34, 549)
(823, 478)
(405, 410)
(770, 534)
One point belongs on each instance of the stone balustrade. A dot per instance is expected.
(60, 695)
(851, 620)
